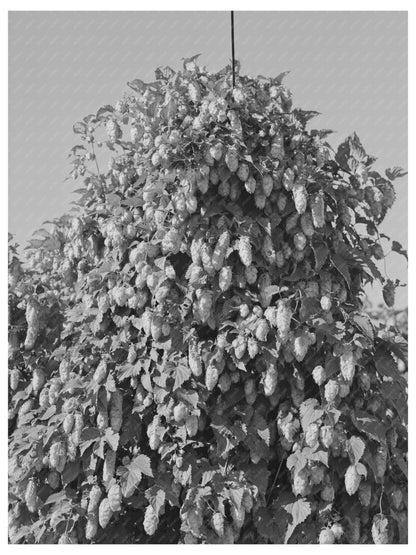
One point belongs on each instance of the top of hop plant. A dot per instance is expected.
(242, 152)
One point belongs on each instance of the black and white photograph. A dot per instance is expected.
(207, 316)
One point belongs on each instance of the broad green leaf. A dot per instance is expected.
(143, 464)
(226, 438)
(342, 267)
(397, 247)
(207, 477)
(400, 461)
(55, 497)
(48, 413)
(156, 498)
(361, 469)
(312, 454)
(264, 435)
(351, 154)
(190, 397)
(309, 307)
(321, 252)
(85, 444)
(112, 438)
(104, 111)
(90, 433)
(258, 474)
(299, 510)
(272, 290)
(181, 373)
(79, 127)
(271, 524)
(385, 364)
(278, 80)
(70, 472)
(297, 460)
(146, 381)
(291, 460)
(309, 412)
(113, 200)
(394, 173)
(369, 425)
(184, 475)
(332, 366)
(236, 496)
(131, 478)
(364, 324)
(394, 392)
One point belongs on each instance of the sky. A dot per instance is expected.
(349, 66)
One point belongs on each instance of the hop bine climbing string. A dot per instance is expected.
(232, 46)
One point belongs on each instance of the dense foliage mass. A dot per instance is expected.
(189, 356)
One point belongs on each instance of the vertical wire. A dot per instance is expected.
(232, 46)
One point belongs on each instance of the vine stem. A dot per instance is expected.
(96, 161)
(274, 480)
(381, 498)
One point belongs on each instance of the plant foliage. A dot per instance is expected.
(189, 356)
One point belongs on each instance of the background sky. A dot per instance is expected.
(349, 66)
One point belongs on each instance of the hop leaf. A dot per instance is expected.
(389, 293)
(394, 173)
(238, 515)
(300, 510)
(218, 524)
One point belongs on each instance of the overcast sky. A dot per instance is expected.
(349, 66)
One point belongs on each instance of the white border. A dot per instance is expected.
(180, 5)
(212, 5)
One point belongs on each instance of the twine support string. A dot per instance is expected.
(233, 46)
